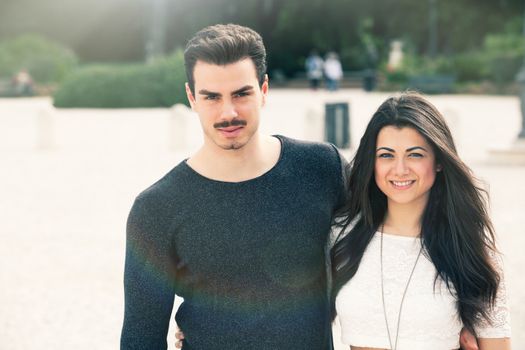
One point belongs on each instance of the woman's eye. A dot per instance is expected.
(384, 155)
(415, 155)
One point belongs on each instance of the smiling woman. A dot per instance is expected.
(405, 167)
(415, 258)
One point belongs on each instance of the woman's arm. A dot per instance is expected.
(494, 334)
(494, 343)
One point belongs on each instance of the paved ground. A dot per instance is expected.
(63, 209)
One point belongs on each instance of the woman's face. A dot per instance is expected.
(405, 166)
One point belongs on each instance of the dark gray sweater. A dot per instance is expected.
(248, 257)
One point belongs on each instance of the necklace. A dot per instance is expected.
(402, 299)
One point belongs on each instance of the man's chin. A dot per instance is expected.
(232, 146)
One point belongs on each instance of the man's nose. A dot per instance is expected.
(229, 110)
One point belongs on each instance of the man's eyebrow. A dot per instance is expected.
(208, 93)
(243, 89)
(211, 93)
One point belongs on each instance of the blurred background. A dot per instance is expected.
(477, 44)
(93, 110)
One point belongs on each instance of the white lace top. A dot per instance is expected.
(429, 319)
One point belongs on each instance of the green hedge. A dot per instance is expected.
(504, 56)
(46, 61)
(158, 84)
(497, 61)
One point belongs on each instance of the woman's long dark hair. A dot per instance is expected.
(457, 233)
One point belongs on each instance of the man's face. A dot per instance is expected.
(228, 100)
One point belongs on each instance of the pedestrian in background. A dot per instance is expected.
(333, 71)
(314, 69)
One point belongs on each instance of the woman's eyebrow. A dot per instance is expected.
(386, 149)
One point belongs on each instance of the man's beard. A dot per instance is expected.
(233, 147)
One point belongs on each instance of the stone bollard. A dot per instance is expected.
(453, 121)
(45, 128)
(179, 123)
(314, 126)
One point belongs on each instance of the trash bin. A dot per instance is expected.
(369, 80)
(337, 124)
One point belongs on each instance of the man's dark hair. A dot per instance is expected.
(224, 44)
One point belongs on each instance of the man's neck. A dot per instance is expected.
(251, 161)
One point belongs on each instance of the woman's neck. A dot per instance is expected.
(403, 220)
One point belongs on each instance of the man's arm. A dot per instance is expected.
(467, 340)
(148, 282)
(179, 336)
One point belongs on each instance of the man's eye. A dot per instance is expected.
(211, 97)
(241, 94)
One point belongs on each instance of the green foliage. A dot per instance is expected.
(46, 61)
(504, 56)
(497, 61)
(290, 28)
(470, 66)
(414, 65)
(158, 84)
(293, 28)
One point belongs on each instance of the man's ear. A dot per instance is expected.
(264, 89)
(190, 96)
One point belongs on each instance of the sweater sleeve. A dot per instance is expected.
(499, 325)
(148, 281)
(344, 171)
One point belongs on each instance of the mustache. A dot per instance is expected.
(233, 122)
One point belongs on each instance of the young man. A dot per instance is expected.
(239, 229)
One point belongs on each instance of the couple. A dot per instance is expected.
(241, 229)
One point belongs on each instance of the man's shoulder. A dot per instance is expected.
(311, 150)
(165, 187)
(320, 159)
(306, 145)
